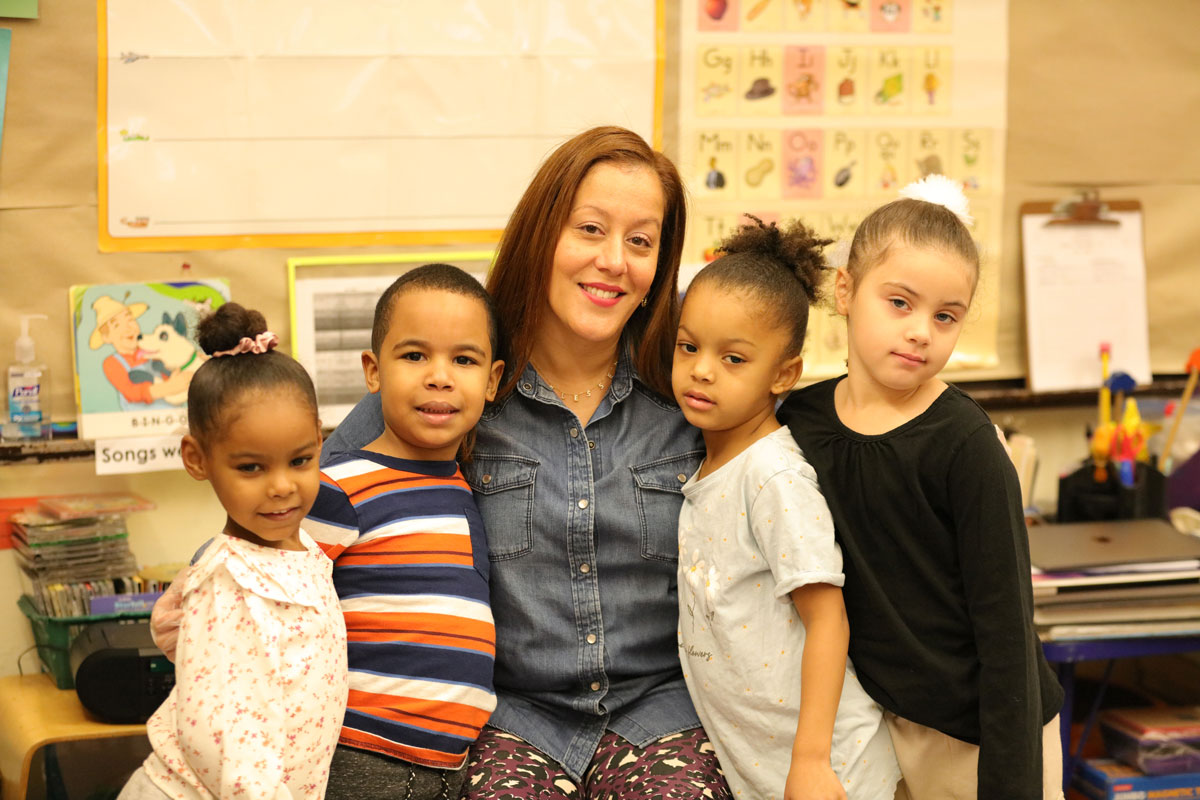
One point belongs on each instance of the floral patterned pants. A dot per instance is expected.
(682, 765)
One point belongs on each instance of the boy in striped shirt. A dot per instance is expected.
(409, 549)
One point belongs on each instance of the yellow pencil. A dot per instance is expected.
(1105, 394)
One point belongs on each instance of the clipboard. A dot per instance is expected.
(1085, 285)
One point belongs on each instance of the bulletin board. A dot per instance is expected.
(329, 122)
(823, 109)
(1075, 116)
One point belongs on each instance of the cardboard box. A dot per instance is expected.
(1109, 779)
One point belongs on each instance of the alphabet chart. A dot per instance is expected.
(824, 109)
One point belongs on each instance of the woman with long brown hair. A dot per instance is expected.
(577, 468)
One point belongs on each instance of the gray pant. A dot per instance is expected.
(362, 775)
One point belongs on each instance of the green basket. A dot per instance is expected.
(54, 635)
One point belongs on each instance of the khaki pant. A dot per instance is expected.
(939, 767)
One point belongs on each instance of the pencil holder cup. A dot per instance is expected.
(1081, 498)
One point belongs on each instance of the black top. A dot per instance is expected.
(938, 588)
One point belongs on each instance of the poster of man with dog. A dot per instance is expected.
(135, 354)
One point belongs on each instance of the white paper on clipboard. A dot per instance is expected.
(1084, 285)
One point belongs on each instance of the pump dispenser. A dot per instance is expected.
(27, 415)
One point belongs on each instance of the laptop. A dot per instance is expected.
(1079, 546)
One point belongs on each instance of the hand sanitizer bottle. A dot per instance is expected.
(27, 415)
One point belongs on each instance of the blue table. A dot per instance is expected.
(1064, 655)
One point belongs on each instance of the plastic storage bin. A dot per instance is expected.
(54, 635)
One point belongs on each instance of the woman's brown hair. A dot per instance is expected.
(520, 277)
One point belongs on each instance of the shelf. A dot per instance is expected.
(44, 451)
(39, 451)
(1002, 395)
(1013, 394)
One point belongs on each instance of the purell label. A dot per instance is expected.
(24, 405)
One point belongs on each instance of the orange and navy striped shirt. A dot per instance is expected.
(411, 571)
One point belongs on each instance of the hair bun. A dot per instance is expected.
(225, 328)
(942, 191)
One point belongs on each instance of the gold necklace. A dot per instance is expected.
(574, 396)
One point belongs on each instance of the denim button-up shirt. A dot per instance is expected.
(582, 532)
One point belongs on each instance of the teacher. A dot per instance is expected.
(577, 468)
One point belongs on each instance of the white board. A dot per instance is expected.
(334, 117)
(1085, 284)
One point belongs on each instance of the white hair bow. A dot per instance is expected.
(942, 191)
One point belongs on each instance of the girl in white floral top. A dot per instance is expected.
(260, 669)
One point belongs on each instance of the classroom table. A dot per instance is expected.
(1065, 654)
(35, 713)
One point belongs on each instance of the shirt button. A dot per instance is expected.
(584, 568)
(595, 686)
(591, 638)
(486, 479)
(591, 445)
(527, 386)
(681, 477)
(574, 433)
(583, 503)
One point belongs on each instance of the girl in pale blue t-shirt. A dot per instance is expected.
(762, 627)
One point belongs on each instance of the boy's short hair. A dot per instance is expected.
(442, 277)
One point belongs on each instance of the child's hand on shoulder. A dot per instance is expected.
(167, 615)
(812, 779)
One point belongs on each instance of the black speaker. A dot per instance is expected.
(120, 675)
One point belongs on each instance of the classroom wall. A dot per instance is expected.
(1099, 93)
(1105, 94)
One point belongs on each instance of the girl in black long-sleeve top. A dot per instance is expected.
(928, 513)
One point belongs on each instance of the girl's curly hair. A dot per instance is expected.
(781, 267)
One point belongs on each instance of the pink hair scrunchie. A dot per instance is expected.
(262, 343)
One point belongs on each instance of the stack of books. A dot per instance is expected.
(1104, 580)
(1109, 779)
(74, 556)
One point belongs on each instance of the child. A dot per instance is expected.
(928, 511)
(260, 666)
(756, 541)
(409, 549)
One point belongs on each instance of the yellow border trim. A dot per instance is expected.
(161, 244)
(298, 262)
(106, 243)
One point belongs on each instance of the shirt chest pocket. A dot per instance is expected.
(659, 495)
(503, 487)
